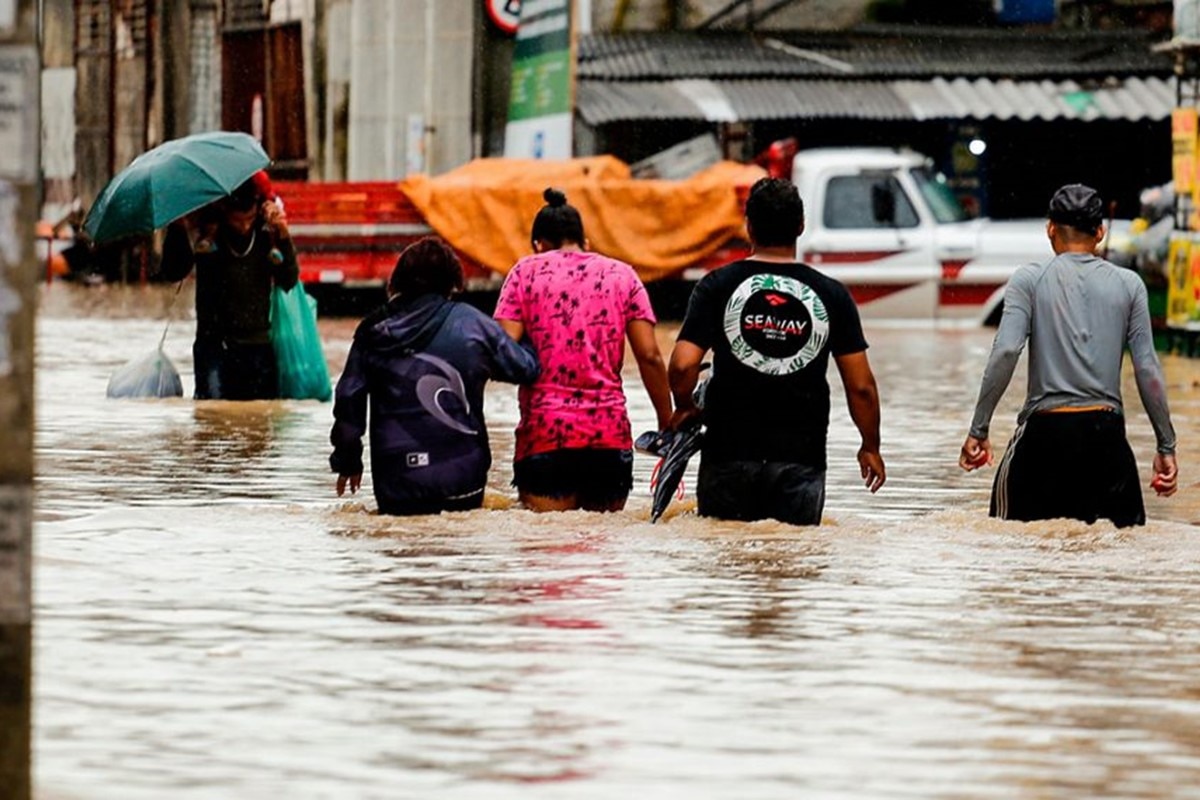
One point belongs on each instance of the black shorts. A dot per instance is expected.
(753, 490)
(597, 477)
(1074, 465)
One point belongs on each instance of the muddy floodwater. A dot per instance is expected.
(213, 622)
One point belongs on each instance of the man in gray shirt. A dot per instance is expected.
(1069, 456)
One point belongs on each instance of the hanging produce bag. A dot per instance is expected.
(151, 375)
(303, 373)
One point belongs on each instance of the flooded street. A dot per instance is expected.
(213, 622)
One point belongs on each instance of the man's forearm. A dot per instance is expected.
(683, 372)
(863, 403)
(683, 383)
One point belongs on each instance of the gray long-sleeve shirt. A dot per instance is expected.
(1078, 313)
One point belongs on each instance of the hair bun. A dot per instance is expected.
(554, 197)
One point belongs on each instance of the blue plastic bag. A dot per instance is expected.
(303, 373)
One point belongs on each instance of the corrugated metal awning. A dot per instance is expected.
(872, 53)
(1127, 98)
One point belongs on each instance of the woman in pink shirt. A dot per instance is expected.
(574, 446)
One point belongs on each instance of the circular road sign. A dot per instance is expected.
(504, 14)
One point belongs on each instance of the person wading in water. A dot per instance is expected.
(1069, 456)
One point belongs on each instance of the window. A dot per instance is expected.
(851, 202)
(938, 196)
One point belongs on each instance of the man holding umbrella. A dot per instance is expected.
(210, 191)
(240, 248)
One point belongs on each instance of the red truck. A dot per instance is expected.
(348, 235)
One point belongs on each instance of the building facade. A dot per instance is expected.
(378, 89)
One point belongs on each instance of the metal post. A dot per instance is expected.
(20, 75)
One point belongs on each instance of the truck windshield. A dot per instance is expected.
(938, 196)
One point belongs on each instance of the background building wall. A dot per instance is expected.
(338, 68)
(58, 107)
(203, 70)
(131, 84)
(399, 85)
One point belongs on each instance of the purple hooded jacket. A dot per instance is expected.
(420, 365)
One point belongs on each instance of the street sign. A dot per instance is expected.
(542, 97)
(504, 14)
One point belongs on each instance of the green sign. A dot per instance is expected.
(541, 85)
(541, 102)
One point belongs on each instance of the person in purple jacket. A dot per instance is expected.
(420, 364)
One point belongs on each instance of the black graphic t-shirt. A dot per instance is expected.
(772, 327)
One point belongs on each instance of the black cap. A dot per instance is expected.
(1078, 206)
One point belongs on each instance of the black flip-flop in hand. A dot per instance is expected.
(654, 443)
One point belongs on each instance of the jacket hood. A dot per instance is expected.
(404, 323)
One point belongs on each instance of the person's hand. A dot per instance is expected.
(975, 453)
(870, 464)
(354, 482)
(1166, 475)
(684, 418)
(274, 218)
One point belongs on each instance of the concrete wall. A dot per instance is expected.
(336, 102)
(202, 70)
(58, 107)
(397, 80)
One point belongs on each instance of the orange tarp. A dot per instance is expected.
(485, 209)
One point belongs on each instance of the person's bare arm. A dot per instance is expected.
(514, 328)
(862, 397)
(682, 374)
(650, 367)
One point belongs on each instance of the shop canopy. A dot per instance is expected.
(876, 73)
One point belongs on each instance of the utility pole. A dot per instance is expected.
(20, 160)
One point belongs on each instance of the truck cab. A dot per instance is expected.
(885, 224)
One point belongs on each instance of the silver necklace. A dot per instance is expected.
(249, 247)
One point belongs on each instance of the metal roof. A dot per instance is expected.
(880, 52)
(640, 56)
(697, 99)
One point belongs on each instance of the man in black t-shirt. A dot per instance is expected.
(772, 324)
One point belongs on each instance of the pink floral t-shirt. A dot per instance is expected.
(574, 307)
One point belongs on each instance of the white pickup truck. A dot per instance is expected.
(885, 224)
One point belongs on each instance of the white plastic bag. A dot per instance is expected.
(152, 375)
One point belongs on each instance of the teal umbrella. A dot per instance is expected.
(171, 181)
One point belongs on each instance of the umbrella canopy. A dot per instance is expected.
(172, 180)
(684, 444)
